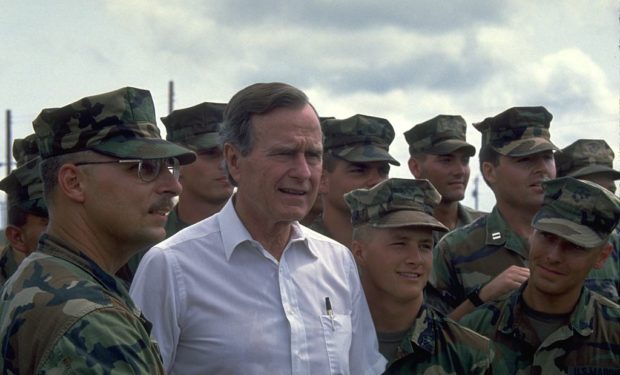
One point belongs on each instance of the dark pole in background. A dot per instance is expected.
(8, 142)
(170, 96)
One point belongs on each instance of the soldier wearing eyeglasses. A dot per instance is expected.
(108, 180)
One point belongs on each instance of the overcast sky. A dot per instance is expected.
(405, 60)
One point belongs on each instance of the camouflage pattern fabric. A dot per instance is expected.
(588, 344)
(359, 138)
(395, 202)
(518, 131)
(25, 149)
(464, 216)
(438, 345)
(63, 314)
(471, 256)
(23, 185)
(8, 264)
(584, 157)
(174, 223)
(440, 135)
(581, 212)
(197, 127)
(119, 123)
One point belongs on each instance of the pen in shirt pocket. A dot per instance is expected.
(330, 312)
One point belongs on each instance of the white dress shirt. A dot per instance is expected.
(221, 304)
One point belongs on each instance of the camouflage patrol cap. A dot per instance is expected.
(580, 212)
(23, 185)
(25, 149)
(395, 202)
(119, 123)
(584, 157)
(440, 135)
(518, 131)
(197, 127)
(359, 138)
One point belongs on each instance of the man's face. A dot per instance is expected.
(121, 208)
(603, 179)
(348, 176)
(559, 267)
(204, 179)
(449, 173)
(395, 263)
(516, 181)
(278, 180)
(32, 230)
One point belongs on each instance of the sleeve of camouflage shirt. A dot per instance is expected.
(104, 341)
(444, 292)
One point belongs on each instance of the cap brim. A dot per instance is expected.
(591, 169)
(526, 147)
(450, 146)
(145, 149)
(366, 153)
(578, 234)
(407, 218)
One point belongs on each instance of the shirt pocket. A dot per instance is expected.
(337, 333)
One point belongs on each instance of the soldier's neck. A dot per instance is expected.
(447, 213)
(338, 225)
(191, 210)
(519, 219)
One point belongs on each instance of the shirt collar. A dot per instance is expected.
(423, 333)
(498, 233)
(234, 233)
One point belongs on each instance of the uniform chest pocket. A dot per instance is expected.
(337, 333)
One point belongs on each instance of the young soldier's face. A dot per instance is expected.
(449, 173)
(517, 180)
(395, 263)
(204, 179)
(348, 176)
(559, 267)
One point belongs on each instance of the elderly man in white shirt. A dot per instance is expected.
(249, 290)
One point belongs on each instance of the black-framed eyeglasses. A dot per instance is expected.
(148, 169)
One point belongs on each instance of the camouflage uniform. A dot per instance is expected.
(588, 342)
(434, 343)
(359, 138)
(61, 312)
(25, 191)
(580, 159)
(469, 257)
(438, 345)
(441, 135)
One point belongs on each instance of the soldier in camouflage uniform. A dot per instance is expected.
(205, 185)
(592, 160)
(27, 217)
(487, 259)
(355, 155)
(108, 180)
(439, 153)
(553, 324)
(392, 243)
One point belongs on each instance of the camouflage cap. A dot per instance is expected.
(23, 185)
(197, 127)
(518, 131)
(395, 202)
(359, 138)
(119, 123)
(580, 212)
(584, 157)
(25, 149)
(440, 135)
